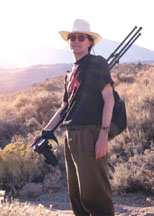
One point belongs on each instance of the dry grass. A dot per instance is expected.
(20, 165)
(29, 110)
(131, 154)
(16, 208)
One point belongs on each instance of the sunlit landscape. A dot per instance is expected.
(33, 63)
(23, 114)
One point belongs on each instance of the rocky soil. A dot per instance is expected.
(128, 204)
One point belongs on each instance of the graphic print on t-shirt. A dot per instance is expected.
(73, 83)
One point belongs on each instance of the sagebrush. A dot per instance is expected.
(131, 158)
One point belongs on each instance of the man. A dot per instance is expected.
(89, 100)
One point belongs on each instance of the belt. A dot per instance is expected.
(75, 127)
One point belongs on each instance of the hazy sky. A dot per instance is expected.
(26, 25)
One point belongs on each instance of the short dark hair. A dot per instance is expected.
(92, 43)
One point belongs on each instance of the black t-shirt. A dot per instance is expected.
(83, 87)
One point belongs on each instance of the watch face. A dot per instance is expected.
(106, 129)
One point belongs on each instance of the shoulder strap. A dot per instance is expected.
(82, 77)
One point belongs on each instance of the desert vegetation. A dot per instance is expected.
(132, 153)
(24, 113)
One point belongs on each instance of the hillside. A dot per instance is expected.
(40, 188)
(38, 96)
(12, 80)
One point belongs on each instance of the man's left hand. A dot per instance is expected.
(101, 148)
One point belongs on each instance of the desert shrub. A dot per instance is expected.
(21, 101)
(19, 165)
(17, 208)
(135, 175)
(46, 105)
(11, 128)
(126, 78)
(27, 113)
(50, 87)
(131, 153)
(33, 125)
(35, 106)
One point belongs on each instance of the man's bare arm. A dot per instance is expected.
(102, 142)
(56, 118)
(107, 95)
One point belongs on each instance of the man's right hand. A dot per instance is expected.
(36, 139)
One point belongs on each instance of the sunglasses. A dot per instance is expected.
(81, 37)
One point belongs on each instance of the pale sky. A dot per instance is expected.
(26, 25)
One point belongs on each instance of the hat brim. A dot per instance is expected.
(96, 37)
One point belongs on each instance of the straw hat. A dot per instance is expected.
(81, 26)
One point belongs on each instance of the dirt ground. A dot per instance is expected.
(132, 204)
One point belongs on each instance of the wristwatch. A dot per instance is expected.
(106, 129)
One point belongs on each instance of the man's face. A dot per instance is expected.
(79, 43)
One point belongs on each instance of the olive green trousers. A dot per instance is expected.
(88, 185)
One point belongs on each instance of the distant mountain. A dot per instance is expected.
(16, 79)
(48, 55)
(134, 53)
(54, 62)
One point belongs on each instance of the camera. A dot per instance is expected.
(41, 146)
